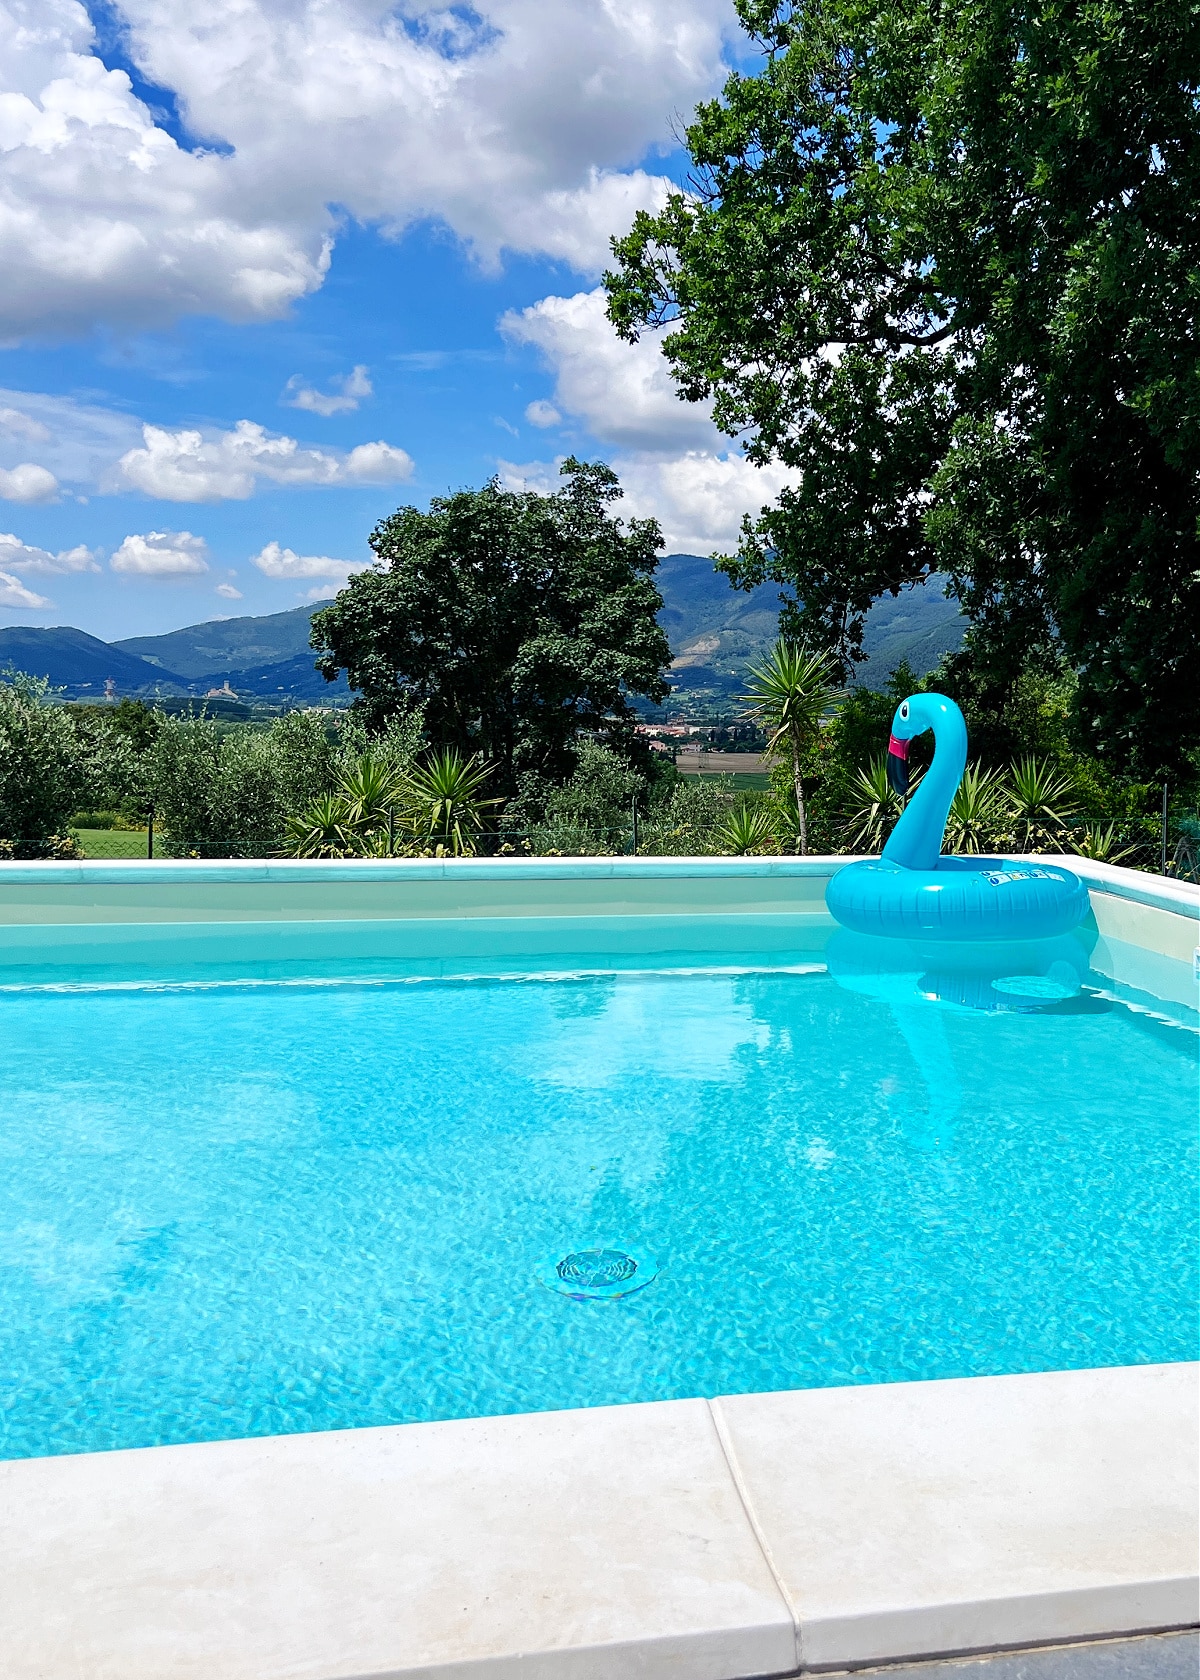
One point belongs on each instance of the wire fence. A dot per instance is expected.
(1135, 843)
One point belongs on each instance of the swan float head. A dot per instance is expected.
(903, 729)
(913, 717)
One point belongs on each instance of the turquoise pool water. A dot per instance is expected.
(232, 1208)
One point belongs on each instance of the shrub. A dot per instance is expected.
(44, 768)
(686, 821)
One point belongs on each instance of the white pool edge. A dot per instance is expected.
(746, 1536)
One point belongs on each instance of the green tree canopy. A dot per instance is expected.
(944, 260)
(514, 620)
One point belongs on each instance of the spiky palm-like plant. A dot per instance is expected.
(1041, 800)
(323, 831)
(1101, 844)
(745, 829)
(979, 811)
(876, 806)
(447, 810)
(790, 694)
(374, 794)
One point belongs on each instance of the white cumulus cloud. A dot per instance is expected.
(623, 393)
(28, 483)
(13, 593)
(542, 413)
(344, 398)
(673, 463)
(161, 554)
(699, 498)
(275, 561)
(228, 593)
(517, 124)
(195, 466)
(17, 556)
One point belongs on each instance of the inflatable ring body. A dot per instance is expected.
(962, 898)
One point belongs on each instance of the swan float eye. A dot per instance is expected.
(904, 710)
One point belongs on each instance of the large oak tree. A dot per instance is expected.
(515, 620)
(943, 257)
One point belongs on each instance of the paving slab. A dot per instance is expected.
(916, 1519)
(607, 1544)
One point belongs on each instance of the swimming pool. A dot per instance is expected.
(292, 1199)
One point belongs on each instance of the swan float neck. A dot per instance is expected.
(916, 840)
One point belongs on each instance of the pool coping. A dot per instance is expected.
(722, 1539)
(1156, 891)
(750, 1535)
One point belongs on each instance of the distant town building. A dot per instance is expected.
(222, 693)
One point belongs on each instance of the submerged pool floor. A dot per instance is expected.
(249, 1209)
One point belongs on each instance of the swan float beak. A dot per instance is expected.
(897, 765)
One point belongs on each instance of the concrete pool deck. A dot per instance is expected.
(746, 1536)
(754, 1535)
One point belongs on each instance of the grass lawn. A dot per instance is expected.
(114, 842)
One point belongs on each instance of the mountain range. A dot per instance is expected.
(714, 631)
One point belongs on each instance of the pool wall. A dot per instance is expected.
(425, 917)
(717, 1539)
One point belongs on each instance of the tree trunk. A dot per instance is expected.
(798, 782)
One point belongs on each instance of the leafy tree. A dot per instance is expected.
(944, 261)
(229, 792)
(514, 620)
(44, 769)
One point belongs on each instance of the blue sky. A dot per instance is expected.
(278, 270)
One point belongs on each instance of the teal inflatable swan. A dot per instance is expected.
(913, 892)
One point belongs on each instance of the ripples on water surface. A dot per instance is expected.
(241, 1210)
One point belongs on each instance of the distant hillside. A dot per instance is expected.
(920, 625)
(80, 663)
(714, 631)
(228, 645)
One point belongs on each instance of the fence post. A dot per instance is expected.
(633, 814)
(150, 836)
(1164, 831)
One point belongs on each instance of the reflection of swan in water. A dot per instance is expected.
(916, 983)
(920, 1025)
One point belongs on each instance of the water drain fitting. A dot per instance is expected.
(598, 1274)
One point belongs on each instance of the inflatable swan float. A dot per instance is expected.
(913, 892)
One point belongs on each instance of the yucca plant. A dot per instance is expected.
(745, 829)
(323, 831)
(978, 811)
(1101, 844)
(447, 811)
(374, 794)
(876, 806)
(1041, 801)
(790, 694)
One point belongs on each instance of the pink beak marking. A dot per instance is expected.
(898, 749)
